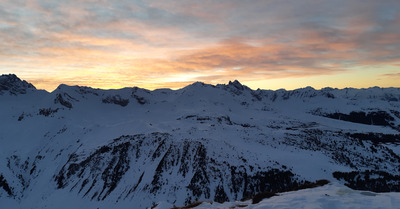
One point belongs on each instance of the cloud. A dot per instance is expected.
(233, 59)
(392, 75)
(170, 43)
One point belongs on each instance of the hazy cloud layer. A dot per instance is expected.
(163, 43)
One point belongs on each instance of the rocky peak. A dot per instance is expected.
(235, 87)
(14, 85)
(236, 84)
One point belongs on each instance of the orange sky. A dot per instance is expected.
(264, 44)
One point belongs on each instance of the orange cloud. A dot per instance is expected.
(167, 44)
(392, 75)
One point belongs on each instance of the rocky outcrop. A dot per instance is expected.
(380, 118)
(4, 185)
(157, 164)
(116, 100)
(376, 181)
(13, 85)
(64, 99)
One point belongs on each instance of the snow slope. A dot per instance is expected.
(333, 196)
(132, 148)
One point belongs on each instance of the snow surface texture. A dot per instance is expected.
(328, 197)
(133, 148)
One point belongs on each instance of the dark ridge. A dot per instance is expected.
(192, 205)
(380, 118)
(5, 186)
(235, 87)
(110, 176)
(306, 185)
(116, 100)
(61, 100)
(377, 138)
(260, 196)
(140, 100)
(14, 85)
(220, 195)
(375, 181)
(236, 84)
(47, 111)
(100, 173)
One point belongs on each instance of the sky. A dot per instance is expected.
(266, 44)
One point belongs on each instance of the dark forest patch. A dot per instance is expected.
(375, 181)
(380, 118)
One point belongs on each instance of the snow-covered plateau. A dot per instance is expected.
(79, 147)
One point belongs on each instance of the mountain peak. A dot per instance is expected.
(14, 85)
(63, 87)
(197, 85)
(236, 84)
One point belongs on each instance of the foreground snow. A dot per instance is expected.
(330, 196)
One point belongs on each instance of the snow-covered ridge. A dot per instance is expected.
(225, 142)
(12, 84)
(329, 196)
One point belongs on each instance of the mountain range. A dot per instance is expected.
(82, 147)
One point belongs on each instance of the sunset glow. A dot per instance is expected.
(264, 44)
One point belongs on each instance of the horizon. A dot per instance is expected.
(171, 44)
(253, 89)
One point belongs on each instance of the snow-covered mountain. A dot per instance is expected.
(133, 148)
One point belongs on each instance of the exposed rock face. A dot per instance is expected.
(179, 166)
(4, 185)
(116, 100)
(13, 85)
(47, 111)
(63, 100)
(380, 118)
(376, 181)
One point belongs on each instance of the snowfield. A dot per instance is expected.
(79, 147)
(333, 196)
